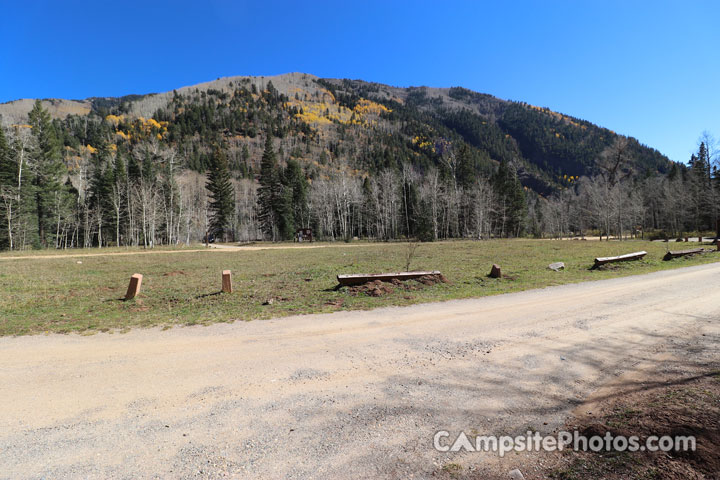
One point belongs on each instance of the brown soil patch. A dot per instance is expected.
(378, 288)
(688, 406)
(174, 274)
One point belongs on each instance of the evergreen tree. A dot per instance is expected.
(48, 171)
(222, 195)
(297, 184)
(465, 168)
(148, 167)
(134, 169)
(270, 193)
(100, 192)
(283, 207)
(465, 180)
(701, 189)
(424, 222)
(245, 169)
(8, 167)
(511, 200)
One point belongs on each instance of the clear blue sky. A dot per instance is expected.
(649, 69)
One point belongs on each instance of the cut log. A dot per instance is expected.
(495, 271)
(361, 278)
(134, 286)
(226, 281)
(557, 266)
(681, 253)
(620, 258)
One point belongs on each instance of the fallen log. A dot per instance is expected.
(620, 258)
(361, 278)
(681, 253)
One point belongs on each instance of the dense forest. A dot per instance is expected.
(251, 158)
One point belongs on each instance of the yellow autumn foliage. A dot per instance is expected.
(153, 123)
(558, 116)
(329, 94)
(423, 143)
(145, 128)
(326, 110)
(115, 119)
(365, 107)
(320, 112)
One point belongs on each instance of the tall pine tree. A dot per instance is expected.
(701, 189)
(222, 196)
(100, 192)
(48, 170)
(511, 200)
(297, 185)
(270, 192)
(8, 167)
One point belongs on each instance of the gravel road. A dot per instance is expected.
(344, 395)
(212, 248)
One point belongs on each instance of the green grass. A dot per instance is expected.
(88, 251)
(59, 295)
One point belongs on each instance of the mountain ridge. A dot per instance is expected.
(545, 147)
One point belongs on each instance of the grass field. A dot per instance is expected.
(58, 294)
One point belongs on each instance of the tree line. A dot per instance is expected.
(142, 193)
(619, 202)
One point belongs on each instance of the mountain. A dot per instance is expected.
(328, 124)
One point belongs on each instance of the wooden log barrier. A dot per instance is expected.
(620, 258)
(361, 278)
(226, 281)
(134, 286)
(681, 253)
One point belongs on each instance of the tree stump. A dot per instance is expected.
(134, 287)
(226, 281)
(495, 271)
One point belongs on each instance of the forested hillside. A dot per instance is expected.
(247, 158)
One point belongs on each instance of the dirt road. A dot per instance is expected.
(346, 395)
(212, 248)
